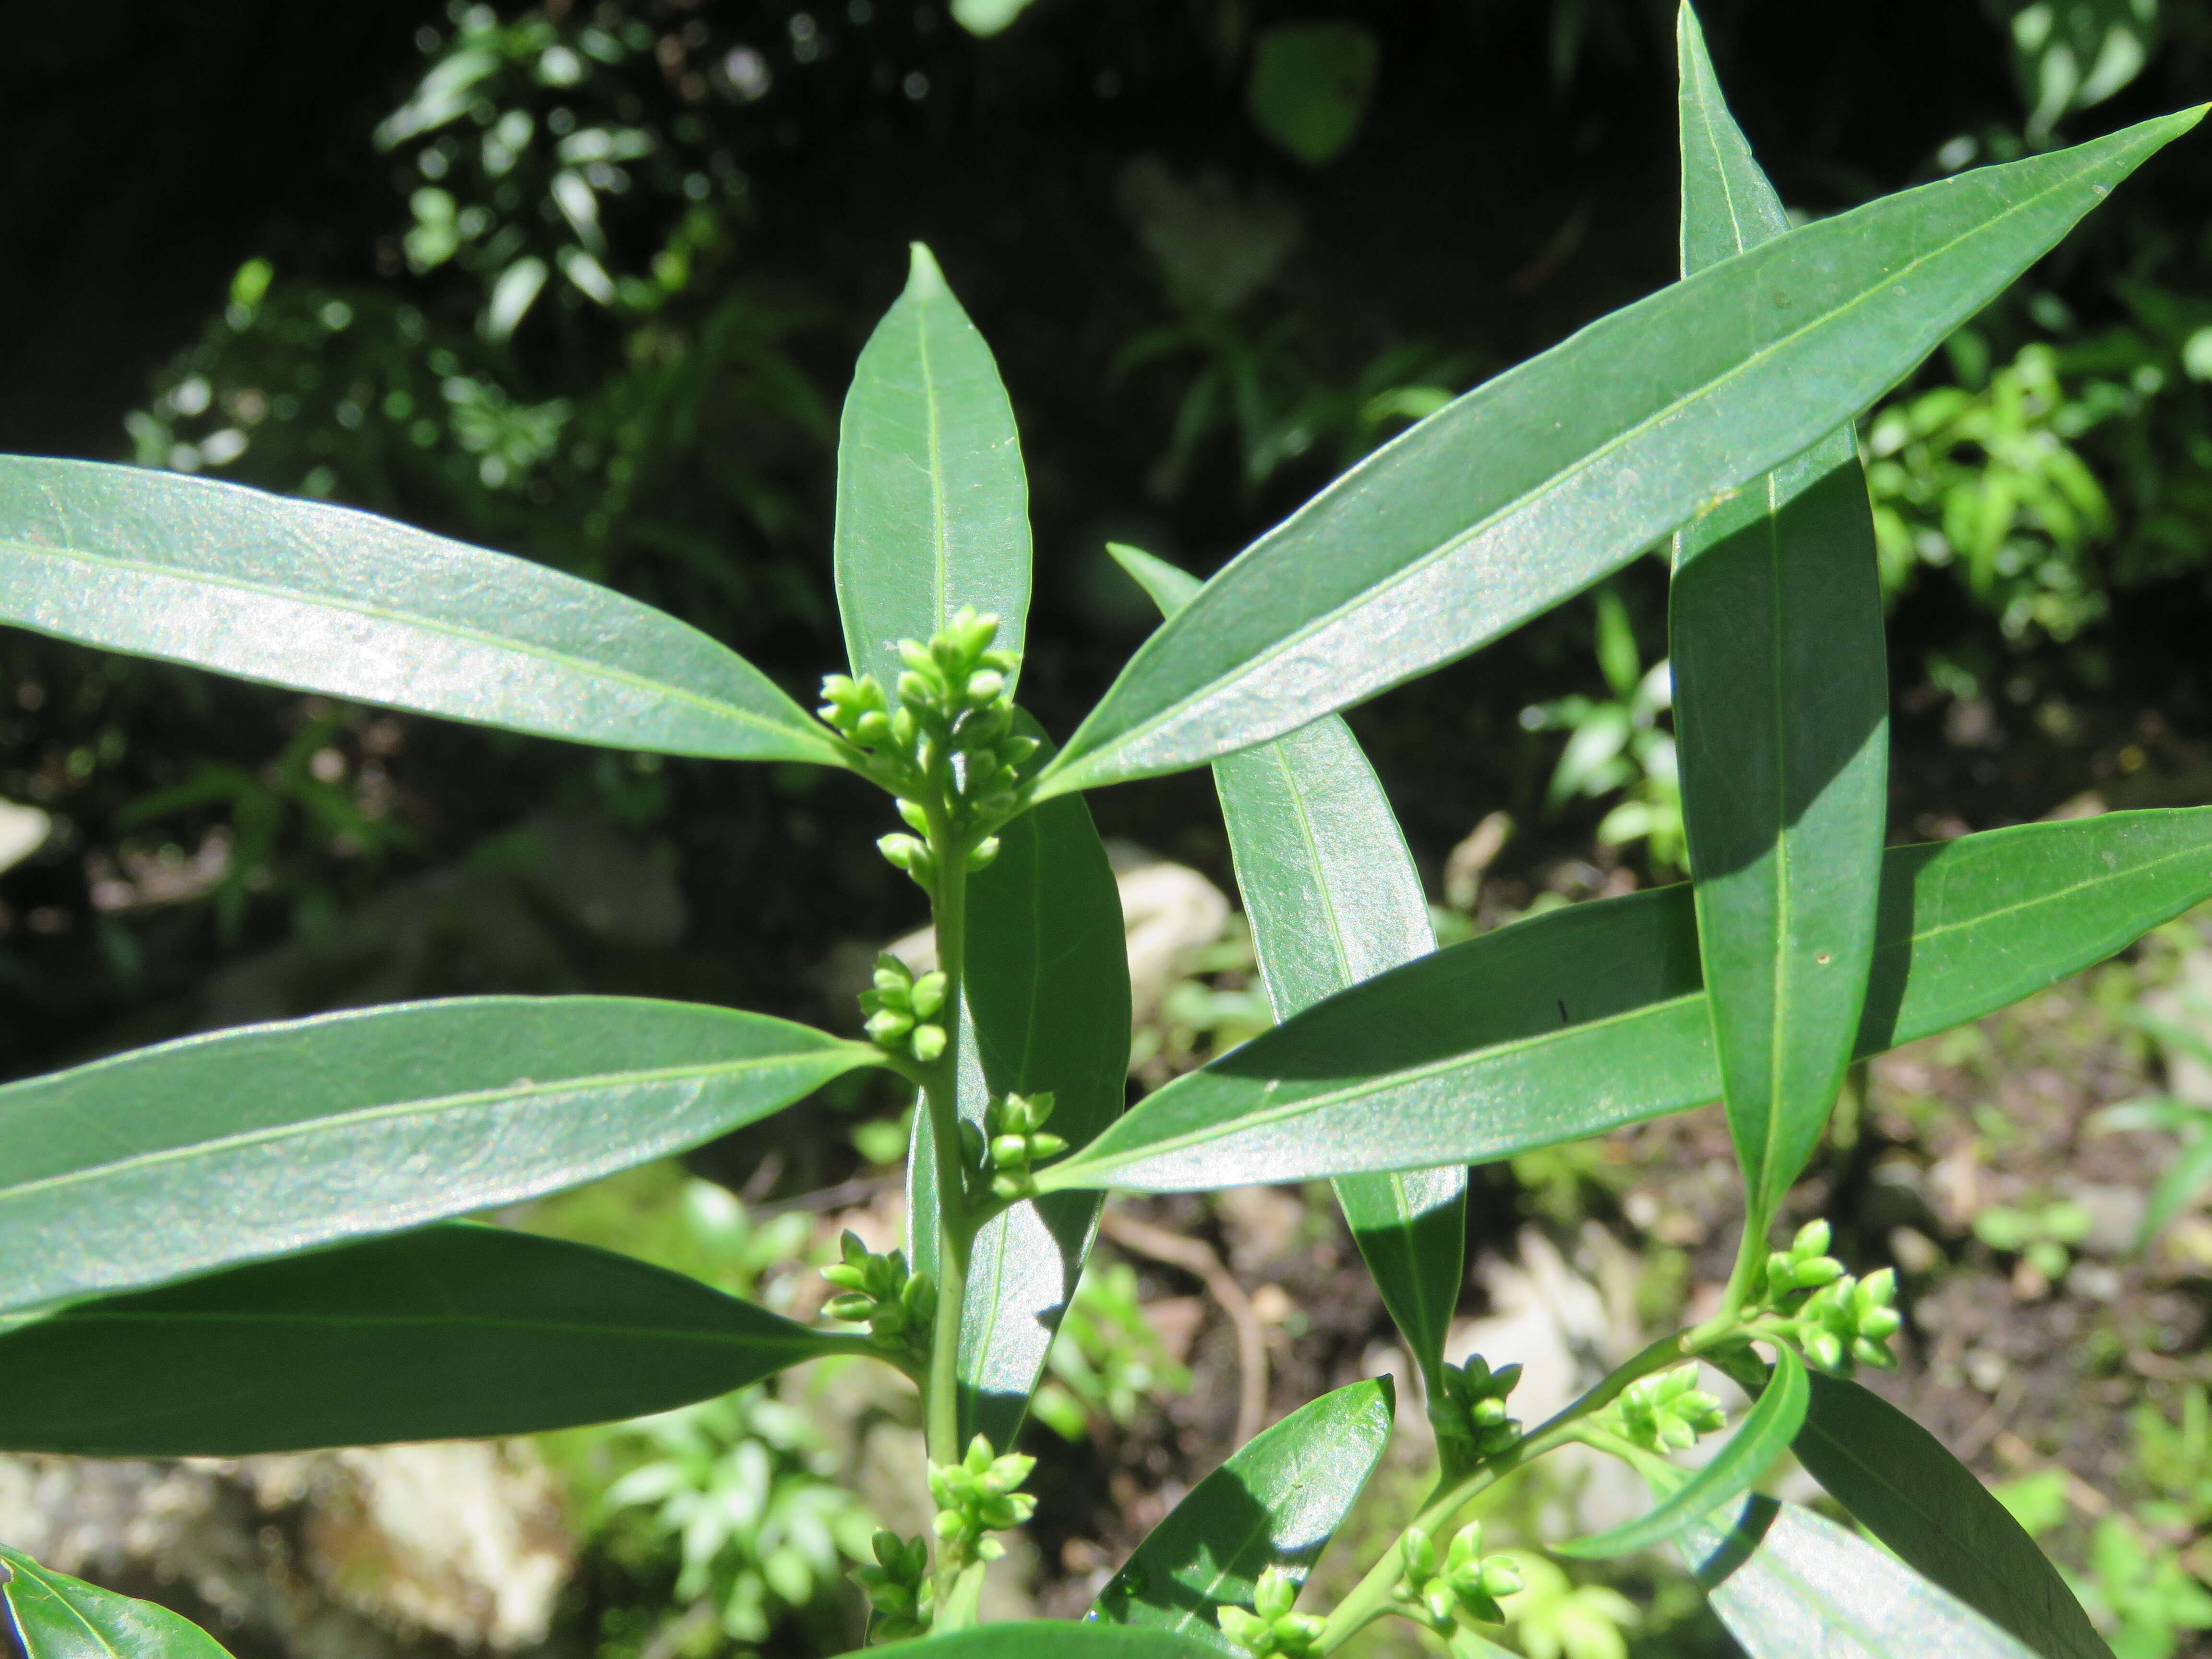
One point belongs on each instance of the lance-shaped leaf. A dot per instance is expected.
(1333, 899)
(58, 1617)
(1788, 1583)
(456, 1331)
(1781, 710)
(1585, 1018)
(328, 599)
(1033, 1639)
(1533, 486)
(254, 1142)
(1275, 1503)
(1902, 1484)
(1763, 1436)
(933, 505)
(1046, 1009)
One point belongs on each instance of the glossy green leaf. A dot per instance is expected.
(1333, 899)
(328, 599)
(1583, 1019)
(933, 505)
(57, 1617)
(1048, 1008)
(456, 1331)
(1904, 1488)
(1533, 486)
(1275, 1503)
(196, 1154)
(1781, 721)
(1763, 1435)
(1035, 1638)
(1787, 1584)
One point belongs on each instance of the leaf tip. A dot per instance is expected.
(925, 281)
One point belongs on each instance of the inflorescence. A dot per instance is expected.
(1464, 1585)
(1471, 1419)
(899, 1308)
(1834, 1320)
(979, 1495)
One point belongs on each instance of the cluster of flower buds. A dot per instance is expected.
(980, 1495)
(1471, 1419)
(1465, 1585)
(950, 741)
(897, 1588)
(897, 1307)
(1014, 1140)
(903, 1010)
(1839, 1322)
(1270, 1628)
(1665, 1412)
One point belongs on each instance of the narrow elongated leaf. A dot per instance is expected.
(1275, 1503)
(933, 505)
(1586, 1018)
(456, 1331)
(266, 1139)
(1333, 899)
(1782, 717)
(1904, 1486)
(1763, 1436)
(1048, 1008)
(1788, 1583)
(58, 1617)
(1533, 486)
(327, 600)
(1032, 1638)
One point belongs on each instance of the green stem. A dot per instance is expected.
(1750, 1260)
(941, 1392)
(1370, 1599)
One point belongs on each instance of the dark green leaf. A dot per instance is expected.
(1310, 86)
(457, 1331)
(1047, 995)
(1781, 710)
(1532, 487)
(63, 1618)
(1333, 899)
(1787, 1584)
(195, 1154)
(1583, 1019)
(327, 600)
(1275, 1503)
(1037, 1638)
(1763, 1436)
(1905, 1488)
(933, 505)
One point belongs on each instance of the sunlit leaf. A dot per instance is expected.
(1276, 1502)
(1533, 486)
(58, 1617)
(328, 599)
(248, 1143)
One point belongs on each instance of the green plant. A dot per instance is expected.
(294, 1180)
(2186, 1177)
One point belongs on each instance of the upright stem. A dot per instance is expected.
(941, 1093)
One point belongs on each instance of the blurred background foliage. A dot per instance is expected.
(583, 281)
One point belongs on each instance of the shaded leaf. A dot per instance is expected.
(457, 1331)
(1763, 1436)
(1275, 1503)
(1310, 86)
(1533, 486)
(1782, 720)
(1047, 1008)
(57, 1617)
(1787, 1583)
(1584, 1018)
(1333, 899)
(1902, 1484)
(932, 504)
(268, 1138)
(327, 600)
(1033, 1639)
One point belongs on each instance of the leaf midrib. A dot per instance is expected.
(1265, 1115)
(428, 1106)
(493, 1323)
(1284, 644)
(582, 666)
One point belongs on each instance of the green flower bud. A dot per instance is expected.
(985, 685)
(887, 1025)
(1812, 1239)
(983, 853)
(928, 1042)
(916, 819)
(928, 995)
(902, 852)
